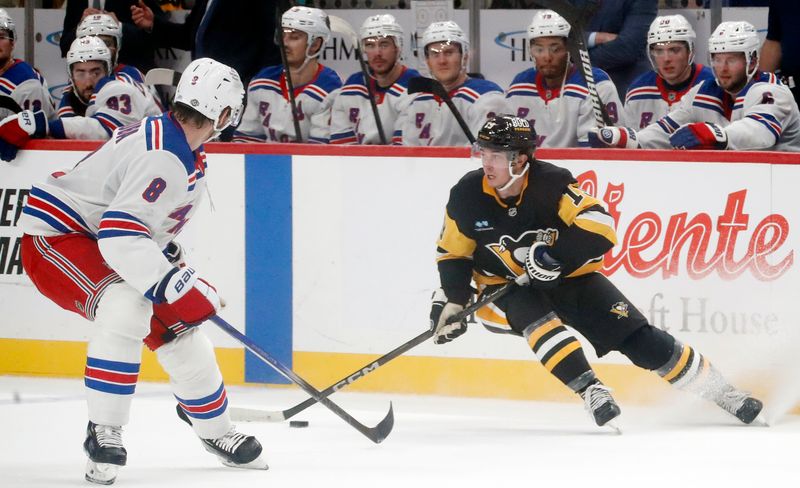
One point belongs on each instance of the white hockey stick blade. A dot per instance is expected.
(341, 26)
(162, 76)
(239, 414)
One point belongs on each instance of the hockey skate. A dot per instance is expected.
(103, 445)
(739, 404)
(600, 404)
(234, 449)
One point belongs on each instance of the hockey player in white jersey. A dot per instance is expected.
(18, 79)
(654, 94)
(268, 115)
(99, 241)
(352, 118)
(427, 121)
(740, 109)
(553, 95)
(109, 102)
(109, 30)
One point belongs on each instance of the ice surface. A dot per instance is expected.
(436, 442)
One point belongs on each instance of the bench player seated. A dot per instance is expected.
(538, 225)
(101, 101)
(109, 30)
(553, 95)
(352, 118)
(427, 121)
(654, 94)
(741, 109)
(268, 115)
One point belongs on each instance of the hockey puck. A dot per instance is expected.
(298, 423)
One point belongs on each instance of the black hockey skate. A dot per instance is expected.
(600, 404)
(103, 445)
(234, 449)
(740, 404)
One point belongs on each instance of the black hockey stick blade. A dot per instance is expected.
(256, 415)
(162, 76)
(376, 434)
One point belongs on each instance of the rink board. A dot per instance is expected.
(325, 257)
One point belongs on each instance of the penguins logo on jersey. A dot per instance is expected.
(512, 252)
(620, 309)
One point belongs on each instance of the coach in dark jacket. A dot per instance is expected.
(617, 39)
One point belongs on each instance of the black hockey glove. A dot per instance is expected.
(543, 270)
(441, 310)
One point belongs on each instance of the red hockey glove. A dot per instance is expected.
(700, 135)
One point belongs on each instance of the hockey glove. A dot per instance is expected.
(700, 135)
(165, 326)
(606, 137)
(543, 270)
(191, 297)
(17, 129)
(441, 310)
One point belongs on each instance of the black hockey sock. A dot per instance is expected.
(560, 352)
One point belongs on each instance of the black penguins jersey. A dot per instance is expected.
(486, 238)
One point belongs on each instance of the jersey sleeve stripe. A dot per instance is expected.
(108, 122)
(242, 137)
(770, 122)
(598, 223)
(121, 224)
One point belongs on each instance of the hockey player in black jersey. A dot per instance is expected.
(519, 215)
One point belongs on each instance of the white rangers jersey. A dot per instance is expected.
(133, 195)
(427, 121)
(115, 103)
(27, 87)
(352, 120)
(561, 116)
(268, 115)
(763, 116)
(650, 97)
(70, 106)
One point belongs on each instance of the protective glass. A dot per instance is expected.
(553, 49)
(375, 44)
(662, 50)
(494, 157)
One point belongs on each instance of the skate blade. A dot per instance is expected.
(101, 473)
(613, 426)
(760, 421)
(257, 463)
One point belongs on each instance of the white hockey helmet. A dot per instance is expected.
(384, 25)
(446, 31)
(101, 25)
(313, 21)
(671, 28)
(547, 23)
(210, 87)
(89, 48)
(7, 24)
(737, 37)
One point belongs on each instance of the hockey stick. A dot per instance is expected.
(421, 84)
(577, 20)
(162, 76)
(9, 104)
(289, 83)
(342, 27)
(255, 415)
(375, 434)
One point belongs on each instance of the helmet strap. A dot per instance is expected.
(513, 156)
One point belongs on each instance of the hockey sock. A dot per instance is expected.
(560, 352)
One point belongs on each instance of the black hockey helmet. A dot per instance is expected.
(508, 133)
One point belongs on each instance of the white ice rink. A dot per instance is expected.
(436, 442)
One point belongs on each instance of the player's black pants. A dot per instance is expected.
(593, 306)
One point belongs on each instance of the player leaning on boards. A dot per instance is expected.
(553, 96)
(99, 242)
(741, 109)
(352, 120)
(654, 94)
(518, 215)
(428, 121)
(268, 116)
